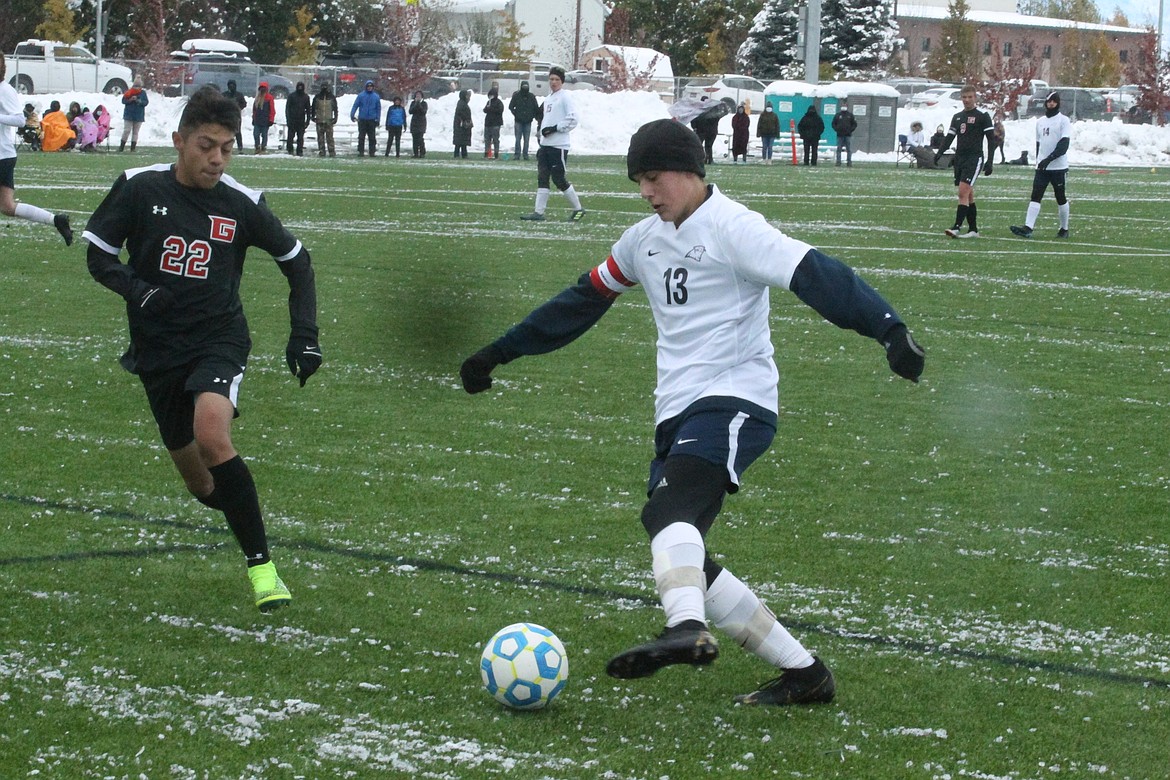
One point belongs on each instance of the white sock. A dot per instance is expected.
(733, 608)
(541, 200)
(1062, 210)
(34, 214)
(678, 553)
(574, 201)
(1033, 212)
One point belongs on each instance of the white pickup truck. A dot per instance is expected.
(52, 66)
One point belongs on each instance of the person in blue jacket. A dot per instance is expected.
(134, 101)
(367, 109)
(395, 121)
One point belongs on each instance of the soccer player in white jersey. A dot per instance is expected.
(706, 264)
(11, 115)
(187, 228)
(1053, 134)
(558, 118)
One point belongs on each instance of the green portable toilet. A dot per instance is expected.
(875, 106)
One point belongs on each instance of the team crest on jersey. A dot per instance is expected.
(697, 253)
(223, 229)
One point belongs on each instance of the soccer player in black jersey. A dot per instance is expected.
(186, 228)
(973, 128)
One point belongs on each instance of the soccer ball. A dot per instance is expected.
(524, 666)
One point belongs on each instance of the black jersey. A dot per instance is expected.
(193, 242)
(970, 128)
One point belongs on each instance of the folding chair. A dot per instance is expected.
(904, 153)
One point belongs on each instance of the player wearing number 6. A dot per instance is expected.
(706, 264)
(186, 228)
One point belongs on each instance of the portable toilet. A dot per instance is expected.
(875, 106)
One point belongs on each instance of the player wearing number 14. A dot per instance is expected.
(186, 228)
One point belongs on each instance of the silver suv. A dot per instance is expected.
(219, 69)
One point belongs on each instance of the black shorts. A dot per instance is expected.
(728, 432)
(172, 393)
(8, 173)
(968, 168)
(550, 164)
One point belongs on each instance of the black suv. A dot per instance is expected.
(219, 69)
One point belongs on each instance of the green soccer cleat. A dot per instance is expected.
(271, 593)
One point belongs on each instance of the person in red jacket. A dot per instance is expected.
(263, 117)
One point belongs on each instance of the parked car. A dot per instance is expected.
(1075, 103)
(936, 97)
(219, 69)
(1120, 100)
(53, 66)
(731, 88)
(908, 87)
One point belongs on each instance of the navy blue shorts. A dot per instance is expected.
(172, 393)
(728, 432)
(8, 173)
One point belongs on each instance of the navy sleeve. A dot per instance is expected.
(555, 323)
(842, 297)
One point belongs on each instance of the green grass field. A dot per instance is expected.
(982, 558)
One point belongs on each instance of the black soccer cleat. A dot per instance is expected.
(687, 643)
(1062, 233)
(61, 222)
(1023, 231)
(535, 216)
(810, 685)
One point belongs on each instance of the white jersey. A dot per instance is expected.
(11, 116)
(707, 283)
(561, 113)
(1049, 131)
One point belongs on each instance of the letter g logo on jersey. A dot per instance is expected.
(223, 229)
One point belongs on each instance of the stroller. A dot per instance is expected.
(30, 137)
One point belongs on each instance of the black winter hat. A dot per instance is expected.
(665, 145)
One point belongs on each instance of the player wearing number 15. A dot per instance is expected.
(706, 264)
(186, 228)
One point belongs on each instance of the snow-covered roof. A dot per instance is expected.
(475, 6)
(920, 11)
(639, 59)
(838, 89)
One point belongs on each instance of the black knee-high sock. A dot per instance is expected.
(235, 495)
(960, 215)
(971, 218)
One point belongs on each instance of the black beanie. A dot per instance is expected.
(665, 145)
(1053, 97)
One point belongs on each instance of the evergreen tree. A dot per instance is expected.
(770, 51)
(957, 59)
(58, 23)
(20, 21)
(302, 38)
(858, 37)
(513, 54)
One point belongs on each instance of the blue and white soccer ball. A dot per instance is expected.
(524, 666)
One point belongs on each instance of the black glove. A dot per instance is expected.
(547, 131)
(906, 358)
(303, 355)
(476, 371)
(987, 168)
(1043, 164)
(155, 300)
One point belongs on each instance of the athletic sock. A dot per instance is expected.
(541, 200)
(678, 552)
(574, 201)
(733, 608)
(1033, 213)
(971, 218)
(1062, 211)
(235, 495)
(960, 216)
(34, 214)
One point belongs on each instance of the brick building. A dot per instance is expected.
(921, 22)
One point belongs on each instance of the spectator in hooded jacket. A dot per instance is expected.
(296, 114)
(524, 110)
(493, 120)
(395, 121)
(844, 123)
(740, 132)
(367, 110)
(238, 98)
(418, 125)
(767, 128)
(324, 113)
(102, 117)
(461, 128)
(56, 134)
(263, 117)
(134, 102)
(810, 127)
(86, 128)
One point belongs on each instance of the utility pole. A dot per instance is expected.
(812, 41)
(577, 40)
